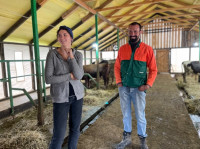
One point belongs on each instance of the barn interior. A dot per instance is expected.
(171, 27)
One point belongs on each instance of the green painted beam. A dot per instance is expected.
(37, 62)
(97, 48)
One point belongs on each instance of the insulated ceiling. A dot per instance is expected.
(16, 21)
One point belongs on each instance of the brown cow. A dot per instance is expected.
(104, 70)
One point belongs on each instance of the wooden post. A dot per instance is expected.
(32, 67)
(85, 56)
(3, 67)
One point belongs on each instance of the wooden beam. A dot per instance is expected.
(82, 34)
(90, 38)
(156, 11)
(82, 4)
(81, 22)
(89, 0)
(141, 16)
(133, 5)
(69, 11)
(113, 12)
(172, 21)
(87, 40)
(75, 26)
(21, 20)
(56, 22)
(41, 2)
(181, 11)
(17, 24)
(105, 36)
(164, 17)
(90, 44)
(111, 42)
(103, 43)
(194, 25)
(184, 4)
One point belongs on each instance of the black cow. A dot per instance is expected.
(195, 65)
(191, 67)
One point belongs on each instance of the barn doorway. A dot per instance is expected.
(162, 60)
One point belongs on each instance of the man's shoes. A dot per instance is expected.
(125, 141)
(143, 143)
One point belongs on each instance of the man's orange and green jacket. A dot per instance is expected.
(133, 73)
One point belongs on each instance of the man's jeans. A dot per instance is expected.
(60, 115)
(138, 98)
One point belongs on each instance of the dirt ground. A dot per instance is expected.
(168, 123)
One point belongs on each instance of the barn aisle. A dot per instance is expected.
(169, 125)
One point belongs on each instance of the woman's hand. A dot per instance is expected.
(70, 53)
(72, 76)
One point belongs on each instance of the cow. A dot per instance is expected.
(104, 70)
(111, 74)
(195, 66)
(111, 64)
(186, 70)
(190, 67)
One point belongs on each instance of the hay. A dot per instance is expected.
(180, 84)
(192, 89)
(98, 97)
(24, 139)
(22, 131)
(193, 106)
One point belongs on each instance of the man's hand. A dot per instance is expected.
(143, 87)
(119, 84)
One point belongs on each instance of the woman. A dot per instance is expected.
(64, 71)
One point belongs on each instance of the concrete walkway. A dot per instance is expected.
(169, 125)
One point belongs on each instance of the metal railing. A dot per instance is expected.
(87, 74)
(9, 80)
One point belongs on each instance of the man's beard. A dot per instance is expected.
(133, 40)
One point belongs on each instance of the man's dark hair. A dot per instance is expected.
(136, 23)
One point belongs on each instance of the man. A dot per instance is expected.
(131, 78)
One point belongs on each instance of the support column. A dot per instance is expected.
(118, 39)
(117, 42)
(85, 56)
(199, 49)
(32, 67)
(97, 48)
(91, 56)
(37, 62)
(3, 67)
(199, 40)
